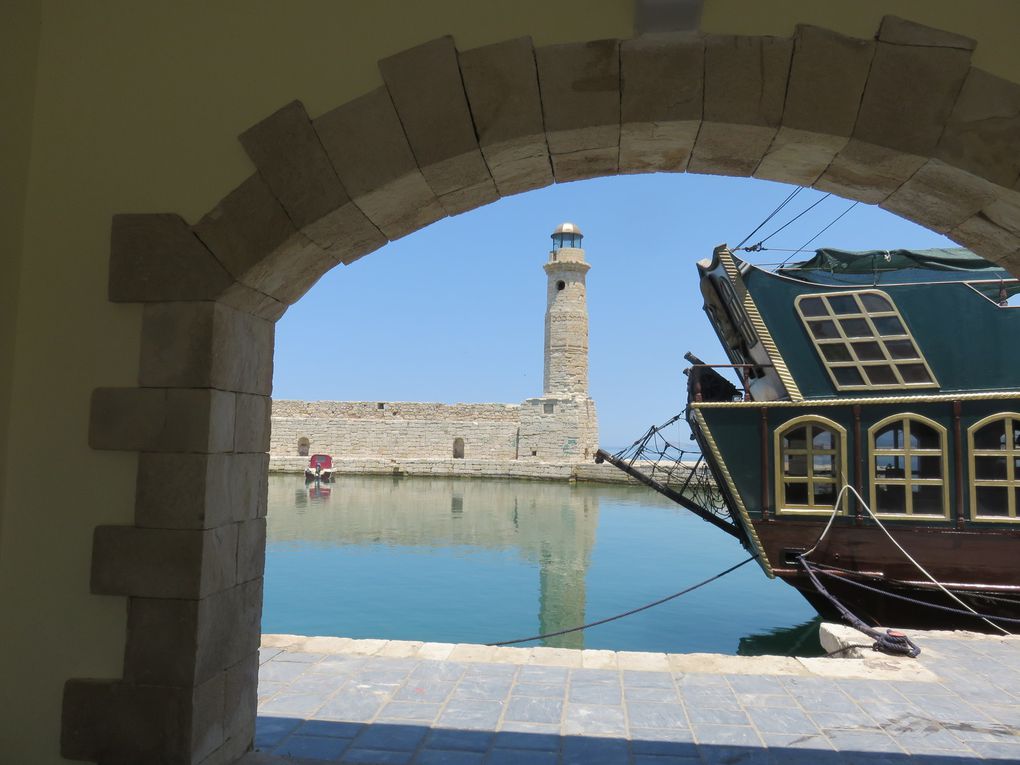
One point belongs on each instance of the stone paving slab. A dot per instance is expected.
(391, 702)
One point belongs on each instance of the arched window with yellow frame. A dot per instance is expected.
(994, 448)
(810, 465)
(909, 467)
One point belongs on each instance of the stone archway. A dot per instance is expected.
(903, 121)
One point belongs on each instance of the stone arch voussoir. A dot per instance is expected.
(902, 120)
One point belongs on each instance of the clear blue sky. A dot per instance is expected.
(455, 312)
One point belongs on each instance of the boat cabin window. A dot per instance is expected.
(994, 446)
(302, 447)
(908, 468)
(863, 341)
(810, 465)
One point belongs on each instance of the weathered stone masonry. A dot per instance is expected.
(395, 430)
(558, 427)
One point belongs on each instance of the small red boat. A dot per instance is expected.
(320, 468)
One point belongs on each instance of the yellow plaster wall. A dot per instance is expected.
(136, 108)
(19, 45)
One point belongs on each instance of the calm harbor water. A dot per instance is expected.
(477, 561)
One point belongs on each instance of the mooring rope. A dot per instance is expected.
(914, 601)
(658, 602)
(887, 642)
(890, 641)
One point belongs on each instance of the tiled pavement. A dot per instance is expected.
(347, 708)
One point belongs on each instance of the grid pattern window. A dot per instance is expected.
(909, 466)
(810, 465)
(863, 341)
(995, 468)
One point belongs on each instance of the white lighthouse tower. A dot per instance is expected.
(561, 426)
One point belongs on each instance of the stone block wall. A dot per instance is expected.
(558, 429)
(395, 430)
(548, 429)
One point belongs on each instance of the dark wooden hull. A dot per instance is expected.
(982, 567)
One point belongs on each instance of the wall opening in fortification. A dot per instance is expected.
(302, 447)
(458, 448)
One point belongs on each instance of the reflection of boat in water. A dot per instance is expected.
(876, 390)
(318, 492)
(320, 468)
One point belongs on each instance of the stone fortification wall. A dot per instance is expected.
(558, 429)
(467, 468)
(394, 430)
(387, 410)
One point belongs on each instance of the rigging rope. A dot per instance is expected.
(771, 215)
(826, 228)
(933, 580)
(675, 595)
(914, 601)
(887, 642)
(759, 246)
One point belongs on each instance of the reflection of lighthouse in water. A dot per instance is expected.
(549, 524)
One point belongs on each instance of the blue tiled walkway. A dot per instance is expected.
(415, 710)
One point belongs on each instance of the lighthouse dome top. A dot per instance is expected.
(567, 235)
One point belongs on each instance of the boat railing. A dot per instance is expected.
(708, 385)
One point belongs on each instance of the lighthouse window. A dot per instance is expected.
(994, 445)
(810, 465)
(909, 467)
(863, 341)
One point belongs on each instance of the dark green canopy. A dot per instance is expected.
(867, 262)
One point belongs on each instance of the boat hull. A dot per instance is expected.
(979, 566)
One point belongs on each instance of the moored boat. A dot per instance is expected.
(320, 468)
(877, 392)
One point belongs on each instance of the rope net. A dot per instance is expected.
(658, 455)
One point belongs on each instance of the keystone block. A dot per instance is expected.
(501, 82)
(661, 92)
(366, 144)
(580, 87)
(745, 88)
(428, 93)
(828, 72)
(293, 163)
